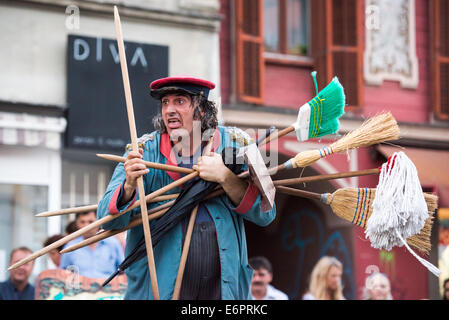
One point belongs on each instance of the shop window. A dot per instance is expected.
(18, 225)
(286, 26)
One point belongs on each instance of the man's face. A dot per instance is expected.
(22, 273)
(84, 220)
(333, 277)
(261, 278)
(177, 113)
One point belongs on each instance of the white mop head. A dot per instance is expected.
(399, 204)
(399, 208)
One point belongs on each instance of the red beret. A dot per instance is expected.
(187, 84)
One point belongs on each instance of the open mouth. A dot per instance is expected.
(174, 123)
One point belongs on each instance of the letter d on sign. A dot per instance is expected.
(72, 21)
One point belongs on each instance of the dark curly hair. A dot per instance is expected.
(208, 120)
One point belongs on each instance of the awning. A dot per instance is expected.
(31, 130)
(432, 166)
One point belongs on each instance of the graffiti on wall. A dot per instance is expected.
(294, 237)
(58, 284)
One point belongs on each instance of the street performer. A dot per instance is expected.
(217, 263)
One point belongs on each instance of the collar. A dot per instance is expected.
(167, 151)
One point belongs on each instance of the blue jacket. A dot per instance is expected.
(236, 273)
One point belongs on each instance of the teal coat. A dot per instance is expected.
(236, 273)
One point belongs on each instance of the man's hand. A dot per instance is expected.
(134, 168)
(212, 168)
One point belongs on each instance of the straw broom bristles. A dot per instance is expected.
(380, 128)
(355, 205)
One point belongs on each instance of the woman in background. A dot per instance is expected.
(325, 280)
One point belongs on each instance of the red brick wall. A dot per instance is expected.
(288, 86)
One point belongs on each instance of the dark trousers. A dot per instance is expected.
(202, 278)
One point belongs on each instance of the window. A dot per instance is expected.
(82, 184)
(440, 58)
(337, 47)
(322, 34)
(249, 51)
(286, 26)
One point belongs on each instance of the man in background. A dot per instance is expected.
(99, 259)
(261, 289)
(17, 286)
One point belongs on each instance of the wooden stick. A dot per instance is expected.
(380, 128)
(277, 134)
(272, 171)
(185, 253)
(157, 213)
(288, 182)
(220, 191)
(135, 147)
(299, 193)
(101, 221)
(154, 213)
(95, 207)
(185, 250)
(149, 164)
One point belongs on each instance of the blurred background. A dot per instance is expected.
(62, 101)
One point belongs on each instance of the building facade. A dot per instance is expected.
(61, 87)
(389, 56)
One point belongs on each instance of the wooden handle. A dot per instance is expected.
(299, 193)
(272, 171)
(220, 191)
(101, 221)
(185, 253)
(95, 207)
(149, 164)
(276, 135)
(67, 211)
(138, 221)
(154, 213)
(186, 246)
(287, 182)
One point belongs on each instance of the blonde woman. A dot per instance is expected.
(325, 280)
(377, 287)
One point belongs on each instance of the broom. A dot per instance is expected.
(380, 128)
(319, 116)
(383, 127)
(418, 240)
(355, 205)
